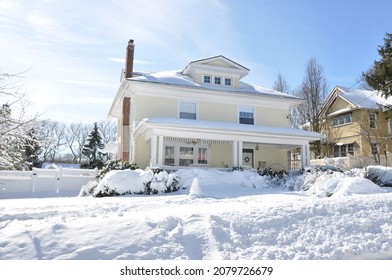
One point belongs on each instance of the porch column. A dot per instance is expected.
(305, 155)
(160, 150)
(153, 159)
(235, 153)
(240, 147)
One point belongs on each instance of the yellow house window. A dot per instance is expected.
(342, 119)
(372, 120)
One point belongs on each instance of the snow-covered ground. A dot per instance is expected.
(214, 215)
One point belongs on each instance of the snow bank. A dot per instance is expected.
(328, 183)
(202, 183)
(338, 184)
(222, 184)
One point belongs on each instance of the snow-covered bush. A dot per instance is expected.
(116, 165)
(380, 175)
(138, 181)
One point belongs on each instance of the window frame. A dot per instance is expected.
(343, 150)
(209, 79)
(342, 120)
(373, 121)
(181, 113)
(241, 110)
(196, 157)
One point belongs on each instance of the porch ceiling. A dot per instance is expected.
(224, 131)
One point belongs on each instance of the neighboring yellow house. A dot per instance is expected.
(356, 126)
(204, 116)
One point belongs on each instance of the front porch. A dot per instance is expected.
(190, 143)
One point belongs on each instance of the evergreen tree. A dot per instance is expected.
(379, 76)
(32, 149)
(92, 147)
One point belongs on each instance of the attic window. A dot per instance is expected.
(207, 79)
(228, 82)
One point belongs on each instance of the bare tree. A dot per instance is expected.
(108, 130)
(75, 135)
(51, 138)
(314, 89)
(280, 84)
(14, 121)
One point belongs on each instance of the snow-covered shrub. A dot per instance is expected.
(116, 165)
(138, 181)
(380, 175)
(88, 189)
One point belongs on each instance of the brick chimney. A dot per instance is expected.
(126, 108)
(129, 59)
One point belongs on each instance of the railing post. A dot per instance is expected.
(33, 180)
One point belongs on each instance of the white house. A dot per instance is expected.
(204, 115)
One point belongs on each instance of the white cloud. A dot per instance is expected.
(69, 46)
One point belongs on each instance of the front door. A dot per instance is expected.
(247, 158)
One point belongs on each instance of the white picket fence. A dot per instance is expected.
(53, 182)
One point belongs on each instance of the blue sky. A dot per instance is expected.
(74, 50)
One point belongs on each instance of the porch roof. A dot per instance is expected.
(214, 130)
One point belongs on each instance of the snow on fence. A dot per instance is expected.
(350, 162)
(56, 181)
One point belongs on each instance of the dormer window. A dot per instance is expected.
(217, 80)
(228, 82)
(207, 79)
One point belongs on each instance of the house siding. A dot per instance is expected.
(218, 112)
(155, 106)
(272, 117)
(221, 155)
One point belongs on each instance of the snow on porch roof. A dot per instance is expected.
(233, 127)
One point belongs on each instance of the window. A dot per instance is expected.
(207, 79)
(188, 110)
(177, 153)
(246, 115)
(343, 150)
(217, 80)
(374, 148)
(202, 158)
(343, 119)
(186, 156)
(169, 155)
(372, 120)
(227, 82)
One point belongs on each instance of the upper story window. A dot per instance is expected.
(217, 80)
(246, 115)
(207, 79)
(228, 82)
(188, 110)
(342, 119)
(372, 120)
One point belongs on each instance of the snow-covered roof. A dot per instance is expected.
(360, 98)
(234, 127)
(175, 77)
